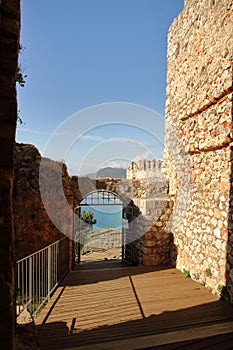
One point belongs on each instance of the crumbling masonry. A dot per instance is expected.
(198, 142)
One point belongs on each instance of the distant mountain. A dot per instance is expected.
(112, 172)
(109, 172)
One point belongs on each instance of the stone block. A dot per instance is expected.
(149, 243)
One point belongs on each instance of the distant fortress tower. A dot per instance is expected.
(145, 169)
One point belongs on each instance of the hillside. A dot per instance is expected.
(109, 172)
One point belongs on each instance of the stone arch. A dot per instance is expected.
(145, 191)
(105, 197)
(111, 196)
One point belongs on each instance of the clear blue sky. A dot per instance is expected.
(80, 53)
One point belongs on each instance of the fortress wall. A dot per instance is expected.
(198, 139)
(33, 228)
(154, 244)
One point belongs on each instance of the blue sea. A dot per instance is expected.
(106, 215)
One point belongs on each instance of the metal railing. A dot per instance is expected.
(38, 275)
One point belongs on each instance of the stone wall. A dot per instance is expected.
(33, 228)
(9, 46)
(198, 138)
(154, 243)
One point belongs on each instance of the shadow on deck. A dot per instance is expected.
(134, 308)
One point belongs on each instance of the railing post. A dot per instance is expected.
(49, 271)
(123, 243)
(30, 285)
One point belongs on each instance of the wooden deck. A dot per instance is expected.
(111, 306)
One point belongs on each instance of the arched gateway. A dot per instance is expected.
(102, 198)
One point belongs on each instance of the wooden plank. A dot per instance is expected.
(160, 339)
(118, 304)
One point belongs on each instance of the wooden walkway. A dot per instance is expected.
(111, 306)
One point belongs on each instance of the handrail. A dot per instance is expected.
(38, 275)
(40, 250)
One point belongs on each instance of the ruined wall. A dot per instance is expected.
(33, 228)
(154, 242)
(198, 139)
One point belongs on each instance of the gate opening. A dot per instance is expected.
(103, 223)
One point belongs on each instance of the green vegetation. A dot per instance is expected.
(88, 217)
(203, 68)
(186, 274)
(224, 293)
(20, 79)
(208, 272)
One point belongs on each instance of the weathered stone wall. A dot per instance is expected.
(9, 46)
(33, 228)
(198, 139)
(154, 242)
